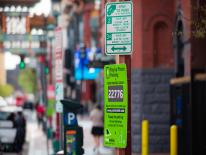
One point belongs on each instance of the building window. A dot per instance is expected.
(162, 45)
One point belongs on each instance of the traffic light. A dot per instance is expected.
(22, 64)
(46, 70)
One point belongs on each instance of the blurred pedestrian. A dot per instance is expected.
(21, 131)
(40, 113)
(96, 117)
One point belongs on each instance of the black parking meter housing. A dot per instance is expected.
(73, 133)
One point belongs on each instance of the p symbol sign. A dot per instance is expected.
(71, 118)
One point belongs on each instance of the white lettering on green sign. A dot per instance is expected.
(119, 27)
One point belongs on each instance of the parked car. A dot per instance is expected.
(9, 129)
(2, 102)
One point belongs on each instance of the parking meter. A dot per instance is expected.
(73, 134)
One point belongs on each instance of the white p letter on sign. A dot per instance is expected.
(71, 117)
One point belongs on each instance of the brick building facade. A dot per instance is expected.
(151, 75)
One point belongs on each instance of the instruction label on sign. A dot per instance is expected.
(115, 105)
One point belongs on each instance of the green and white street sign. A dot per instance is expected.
(115, 105)
(119, 28)
(59, 91)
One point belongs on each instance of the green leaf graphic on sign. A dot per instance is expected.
(118, 48)
(111, 9)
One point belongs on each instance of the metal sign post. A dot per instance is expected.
(59, 88)
(119, 41)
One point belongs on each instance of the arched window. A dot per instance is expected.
(162, 45)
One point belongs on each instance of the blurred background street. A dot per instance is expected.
(77, 74)
(37, 143)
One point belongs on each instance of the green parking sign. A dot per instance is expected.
(115, 105)
(119, 28)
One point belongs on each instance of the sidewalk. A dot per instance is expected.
(37, 139)
(88, 139)
(89, 142)
(38, 144)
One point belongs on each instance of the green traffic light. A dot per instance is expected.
(22, 65)
(46, 70)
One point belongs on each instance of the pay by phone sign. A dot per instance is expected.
(115, 106)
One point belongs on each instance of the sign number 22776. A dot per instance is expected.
(115, 93)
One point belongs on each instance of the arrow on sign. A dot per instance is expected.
(119, 48)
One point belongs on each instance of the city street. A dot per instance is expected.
(89, 141)
(36, 142)
(102, 77)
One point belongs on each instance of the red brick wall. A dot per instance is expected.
(87, 90)
(137, 61)
(88, 8)
(86, 20)
(161, 12)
